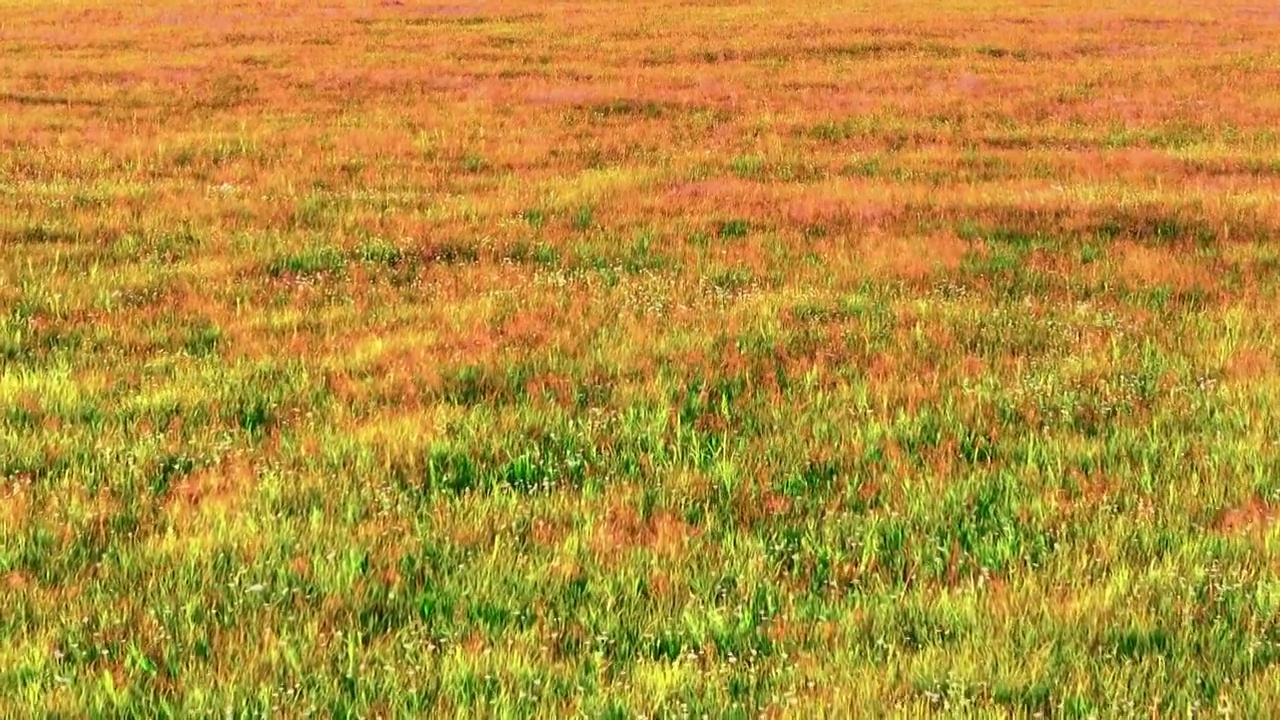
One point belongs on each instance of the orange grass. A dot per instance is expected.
(662, 359)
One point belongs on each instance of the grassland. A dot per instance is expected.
(639, 359)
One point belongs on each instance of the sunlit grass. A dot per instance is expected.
(664, 360)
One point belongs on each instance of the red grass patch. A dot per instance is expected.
(213, 490)
(17, 581)
(775, 504)
(548, 533)
(447, 12)
(1249, 364)
(905, 258)
(623, 530)
(972, 366)
(13, 507)
(1255, 515)
(569, 95)
(719, 190)
(1155, 267)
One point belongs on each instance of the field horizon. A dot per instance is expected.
(654, 359)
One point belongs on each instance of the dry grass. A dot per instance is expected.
(658, 359)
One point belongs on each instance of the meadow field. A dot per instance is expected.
(639, 359)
